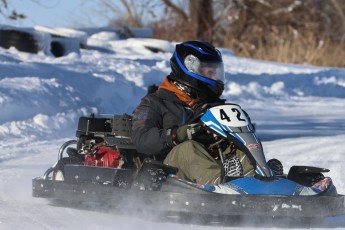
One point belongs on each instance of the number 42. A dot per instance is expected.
(224, 116)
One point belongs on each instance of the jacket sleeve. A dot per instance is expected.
(148, 134)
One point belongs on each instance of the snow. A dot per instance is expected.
(60, 31)
(298, 112)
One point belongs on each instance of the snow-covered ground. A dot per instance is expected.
(298, 111)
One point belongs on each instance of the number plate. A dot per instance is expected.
(230, 115)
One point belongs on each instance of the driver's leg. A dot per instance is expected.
(194, 163)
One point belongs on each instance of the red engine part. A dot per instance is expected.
(107, 157)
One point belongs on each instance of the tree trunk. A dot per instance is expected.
(201, 16)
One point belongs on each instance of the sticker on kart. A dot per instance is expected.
(230, 115)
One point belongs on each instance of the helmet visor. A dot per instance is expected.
(210, 70)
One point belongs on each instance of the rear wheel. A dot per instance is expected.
(59, 170)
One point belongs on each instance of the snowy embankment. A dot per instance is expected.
(298, 111)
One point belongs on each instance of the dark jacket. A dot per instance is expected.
(157, 113)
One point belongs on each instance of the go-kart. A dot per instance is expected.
(103, 166)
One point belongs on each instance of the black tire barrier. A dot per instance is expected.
(21, 40)
(57, 49)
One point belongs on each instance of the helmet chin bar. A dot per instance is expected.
(194, 93)
(184, 88)
(202, 92)
(207, 97)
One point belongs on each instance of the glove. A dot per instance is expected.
(182, 133)
(187, 132)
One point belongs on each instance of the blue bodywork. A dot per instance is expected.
(229, 121)
(260, 186)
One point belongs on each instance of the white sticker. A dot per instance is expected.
(230, 115)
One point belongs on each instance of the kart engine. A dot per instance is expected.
(103, 155)
(105, 142)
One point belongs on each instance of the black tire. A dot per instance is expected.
(59, 170)
(57, 49)
(22, 41)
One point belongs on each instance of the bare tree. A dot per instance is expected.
(10, 13)
(261, 22)
(339, 21)
(129, 13)
(260, 28)
(199, 18)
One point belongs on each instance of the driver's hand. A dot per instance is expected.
(184, 133)
(187, 132)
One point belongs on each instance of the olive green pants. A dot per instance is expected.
(194, 163)
(197, 165)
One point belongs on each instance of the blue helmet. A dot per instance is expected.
(199, 65)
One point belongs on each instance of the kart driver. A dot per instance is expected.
(165, 125)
